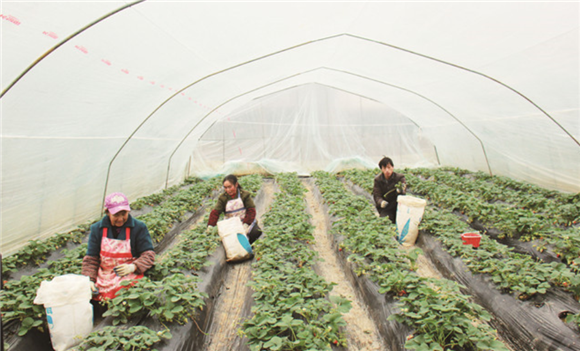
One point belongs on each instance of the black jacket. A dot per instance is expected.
(384, 189)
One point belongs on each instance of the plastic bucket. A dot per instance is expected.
(409, 214)
(471, 239)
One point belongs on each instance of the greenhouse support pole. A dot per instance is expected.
(340, 71)
(474, 72)
(305, 72)
(1, 323)
(64, 41)
(437, 154)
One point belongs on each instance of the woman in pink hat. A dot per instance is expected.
(120, 248)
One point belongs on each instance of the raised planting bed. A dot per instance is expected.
(525, 296)
(412, 312)
(291, 310)
(21, 315)
(179, 299)
(549, 233)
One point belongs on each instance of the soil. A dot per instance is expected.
(361, 332)
(233, 305)
(426, 269)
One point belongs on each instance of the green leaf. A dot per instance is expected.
(274, 344)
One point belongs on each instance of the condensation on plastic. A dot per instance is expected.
(154, 93)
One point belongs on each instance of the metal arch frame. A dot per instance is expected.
(309, 71)
(275, 92)
(64, 41)
(260, 58)
(328, 38)
(474, 72)
(188, 86)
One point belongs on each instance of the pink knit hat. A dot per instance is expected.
(116, 202)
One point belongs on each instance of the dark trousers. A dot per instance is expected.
(254, 234)
(391, 212)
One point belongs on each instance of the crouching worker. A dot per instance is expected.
(120, 248)
(388, 186)
(236, 202)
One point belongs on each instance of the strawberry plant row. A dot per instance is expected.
(37, 251)
(157, 198)
(510, 271)
(136, 338)
(561, 209)
(17, 295)
(181, 300)
(169, 296)
(442, 317)
(519, 273)
(509, 220)
(163, 217)
(514, 273)
(292, 310)
(554, 196)
(251, 183)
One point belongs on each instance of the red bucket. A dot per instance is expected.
(471, 239)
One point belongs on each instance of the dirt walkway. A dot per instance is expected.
(361, 332)
(234, 302)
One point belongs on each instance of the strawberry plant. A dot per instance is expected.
(37, 250)
(173, 299)
(136, 338)
(17, 296)
(163, 217)
(441, 316)
(510, 220)
(190, 253)
(291, 310)
(251, 183)
(70, 262)
(153, 199)
(511, 272)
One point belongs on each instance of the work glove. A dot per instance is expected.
(124, 269)
(94, 289)
(246, 227)
(210, 229)
(384, 204)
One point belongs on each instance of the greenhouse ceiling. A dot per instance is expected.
(136, 96)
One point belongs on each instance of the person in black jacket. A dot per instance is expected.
(388, 186)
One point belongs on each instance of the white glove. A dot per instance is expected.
(384, 204)
(246, 227)
(94, 289)
(124, 269)
(210, 229)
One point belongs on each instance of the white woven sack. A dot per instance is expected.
(409, 214)
(68, 311)
(228, 230)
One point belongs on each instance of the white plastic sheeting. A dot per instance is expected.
(118, 96)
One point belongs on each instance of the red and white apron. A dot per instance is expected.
(235, 208)
(113, 253)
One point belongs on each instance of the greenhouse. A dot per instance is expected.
(475, 103)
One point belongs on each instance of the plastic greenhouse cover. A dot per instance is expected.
(102, 96)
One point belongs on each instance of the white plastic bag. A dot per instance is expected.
(234, 239)
(69, 312)
(409, 214)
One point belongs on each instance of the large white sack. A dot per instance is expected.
(234, 239)
(409, 214)
(69, 312)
